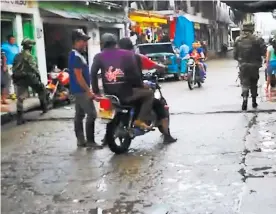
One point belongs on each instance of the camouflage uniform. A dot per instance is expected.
(26, 75)
(248, 51)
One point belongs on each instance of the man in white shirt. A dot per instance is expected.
(133, 38)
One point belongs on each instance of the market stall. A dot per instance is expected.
(147, 25)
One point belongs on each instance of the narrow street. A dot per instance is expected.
(223, 163)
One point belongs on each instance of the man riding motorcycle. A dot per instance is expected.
(198, 55)
(158, 106)
(120, 76)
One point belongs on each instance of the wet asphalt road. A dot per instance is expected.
(223, 163)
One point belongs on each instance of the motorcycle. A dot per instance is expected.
(58, 87)
(119, 117)
(194, 76)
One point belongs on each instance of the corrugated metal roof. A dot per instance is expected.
(89, 17)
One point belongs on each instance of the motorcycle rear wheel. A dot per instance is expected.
(110, 139)
(160, 128)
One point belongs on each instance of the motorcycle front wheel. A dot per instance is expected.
(50, 99)
(118, 145)
(190, 82)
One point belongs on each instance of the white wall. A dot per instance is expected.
(19, 29)
(40, 46)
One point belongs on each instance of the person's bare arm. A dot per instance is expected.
(267, 57)
(202, 55)
(79, 77)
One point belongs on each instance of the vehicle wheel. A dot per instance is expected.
(177, 77)
(50, 100)
(111, 140)
(160, 128)
(190, 83)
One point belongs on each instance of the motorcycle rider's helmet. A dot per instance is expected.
(27, 43)
(108, 40)
(126, 44)
(248, 27)
(78, 34)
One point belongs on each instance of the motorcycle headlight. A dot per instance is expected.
(190, 61)
(53, 75)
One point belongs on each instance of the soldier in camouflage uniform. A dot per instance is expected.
(26, 74)
(248, 51)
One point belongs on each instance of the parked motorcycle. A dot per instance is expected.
(119, 117)
(58, 87)
(193, 77)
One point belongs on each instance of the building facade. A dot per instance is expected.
(60, 18)
(22, 19)
(50, 24)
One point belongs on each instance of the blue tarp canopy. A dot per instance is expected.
(184, 32)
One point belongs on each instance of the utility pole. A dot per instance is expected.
(126, 11)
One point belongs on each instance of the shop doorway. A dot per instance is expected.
(28, 31)
(58, 44)
(6, 30)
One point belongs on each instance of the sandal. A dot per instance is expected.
(142, 125)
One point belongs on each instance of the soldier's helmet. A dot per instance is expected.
(248, 27)
(27, 42)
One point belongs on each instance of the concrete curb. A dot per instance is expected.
(10, 116)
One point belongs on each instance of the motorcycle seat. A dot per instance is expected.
(118, 103)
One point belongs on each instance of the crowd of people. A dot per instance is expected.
(9, 50)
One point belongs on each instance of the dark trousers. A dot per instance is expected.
(22, 92)
(84, 106)
(146, 97)
(249, 75)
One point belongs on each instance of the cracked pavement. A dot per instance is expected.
(224, 160)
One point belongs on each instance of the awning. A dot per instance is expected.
(148, 19)
(112, 18)
(147, 16)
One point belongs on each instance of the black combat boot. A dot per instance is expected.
(169, 139)
(81, 143)
(43, 106)
(90, 135)
(19, 118)
(244, 103)
(254, 102)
